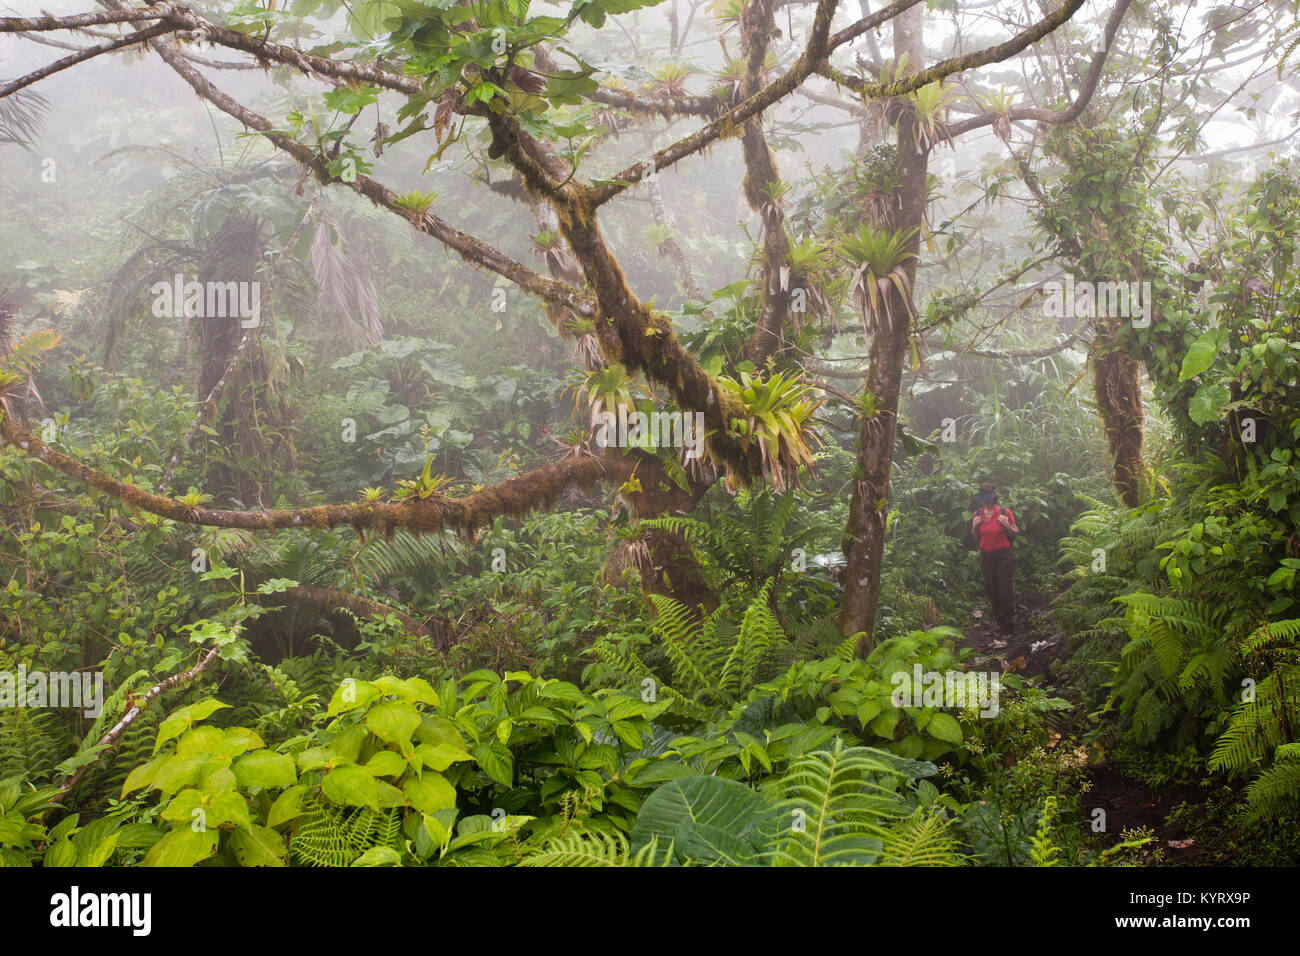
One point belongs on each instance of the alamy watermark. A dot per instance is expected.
(77, 909)
(1093, 300)
(948, 689)
(651, 430)
(82, 690)
(209, 300)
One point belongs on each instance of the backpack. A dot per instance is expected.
(973, 540)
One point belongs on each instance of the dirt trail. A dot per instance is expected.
(1029, 651)
(1036, 644)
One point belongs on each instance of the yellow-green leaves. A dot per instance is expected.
(351, 786)
(265, 768)
(393, 722)
(183, 719)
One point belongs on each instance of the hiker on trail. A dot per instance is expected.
(995, 528)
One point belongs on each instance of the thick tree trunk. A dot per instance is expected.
(757, 27)
(665, 559)
(1119, 400)
(864, 534)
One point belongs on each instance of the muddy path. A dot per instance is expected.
(1037, 644)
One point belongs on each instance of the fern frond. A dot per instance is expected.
(838, 811)
(679, 632)
(1274, 794)
(382, 559)
(1271, 633)
(923, 839)
(597, 849)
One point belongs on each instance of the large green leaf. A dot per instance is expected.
(707, 820)
(265, 768)
(351, 786)
(182, 847)
(1207, 404)
(257, 846)
(393, 722)
(1200, 356)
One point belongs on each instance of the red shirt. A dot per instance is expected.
(992, 537)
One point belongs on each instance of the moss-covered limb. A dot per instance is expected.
(729, 123)
(1067, 114)
(543, 172)
(643, 341)
(629, 333)
(268, 53)
(77, 21)
(143, 36)
(471, 249)
(958, 64)
(332, 599)
(757, 27)
(514, 497)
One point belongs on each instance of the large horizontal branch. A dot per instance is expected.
(158, 29)
(308, 63)
(1070, 113)
(511, 498)
(77, 21)
(958, 64)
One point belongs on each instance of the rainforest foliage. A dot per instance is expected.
(545, 434)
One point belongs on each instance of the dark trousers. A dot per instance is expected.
(999, 569)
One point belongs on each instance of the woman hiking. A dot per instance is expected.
(994, 527)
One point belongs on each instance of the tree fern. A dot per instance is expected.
(687, 643)
(1259, 726)
(1178, 646)
(1271, 634)
(1274, 794)
(749, 538)
(760, 635)
(382, 559)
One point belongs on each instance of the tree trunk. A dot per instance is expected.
(864, 534)
(1119, 400)
(665, 559)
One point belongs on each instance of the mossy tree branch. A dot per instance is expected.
(514, 497)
